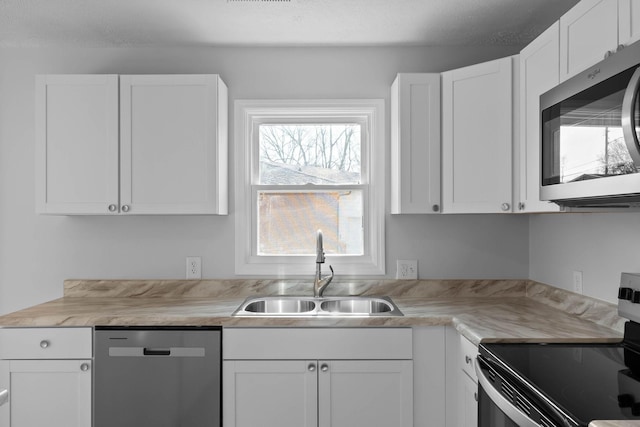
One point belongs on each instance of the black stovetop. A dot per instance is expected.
(587, 381)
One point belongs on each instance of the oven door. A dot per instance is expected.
(490, 414)
(505, 401)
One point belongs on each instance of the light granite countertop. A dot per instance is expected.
(487, 310)
(481, 310)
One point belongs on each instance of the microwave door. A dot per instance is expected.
(629, 122)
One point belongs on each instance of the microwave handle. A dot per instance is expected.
(628, 117)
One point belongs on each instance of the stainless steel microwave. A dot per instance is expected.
(590, 152)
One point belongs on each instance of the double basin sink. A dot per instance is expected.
(322, 306)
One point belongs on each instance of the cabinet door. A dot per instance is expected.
(76, 144)
(469, 401)
(587, 32)
(173, 155)
(53, 393)
(629, 21)
(539, 72)
(477, 123)
(415, 143)
(365, 393)
(270, 393)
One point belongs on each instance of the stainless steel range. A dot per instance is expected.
(562, 385)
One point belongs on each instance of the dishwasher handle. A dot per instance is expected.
(156, 351)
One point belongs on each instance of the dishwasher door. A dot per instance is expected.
(160, 377)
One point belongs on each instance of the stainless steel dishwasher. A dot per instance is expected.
(157, 376)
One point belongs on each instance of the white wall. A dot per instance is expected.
(38, 252)
(601, 245)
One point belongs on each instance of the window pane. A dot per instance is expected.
(287, 222)
(299, 154)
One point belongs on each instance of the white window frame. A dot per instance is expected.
(248, 115)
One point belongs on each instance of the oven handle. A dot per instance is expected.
(557, 416)
(628, 117)
(501, 402)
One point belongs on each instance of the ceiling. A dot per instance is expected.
(275, 22)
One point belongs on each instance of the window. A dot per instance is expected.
(303, 166)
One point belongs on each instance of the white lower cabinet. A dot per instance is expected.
(47, 374)
(53, 393)
(295, 393)
(270, 392)
(469, 401)
(462, 382)
(321, 377)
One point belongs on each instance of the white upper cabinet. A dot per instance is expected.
(145, 144)
(588, 33)
(76, 144)
(173, 153)
(415, 143)
(629, 21)
(477, 135)
(539, 72)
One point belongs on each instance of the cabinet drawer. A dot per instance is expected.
(317, 343)
(45, 343)
(468, 352)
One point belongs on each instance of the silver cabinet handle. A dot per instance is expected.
(475, 396)
(4, 397)
(84, 367)
(113, 208)
(311, 367)
(44, 344)
(628, 117)
(505, 206)
(324, 367)
(125, 208)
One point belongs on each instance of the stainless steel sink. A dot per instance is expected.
(294, 306)
(280, 306)
(357, 306)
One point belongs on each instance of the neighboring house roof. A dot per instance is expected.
(281, 174)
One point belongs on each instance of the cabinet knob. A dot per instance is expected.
(505, 206)
(311, 367)
(44, 343)
(84, 367)
(435, 208)
(324, 367)
(112, 208)
(521, 206)
(475, 396)
(608, 54)
(125, 208)
(620, 47)
(467, 359)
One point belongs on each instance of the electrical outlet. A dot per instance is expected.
(577, 282)
(194, 267)
(407, 269)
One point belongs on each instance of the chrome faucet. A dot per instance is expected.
(320, 283)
